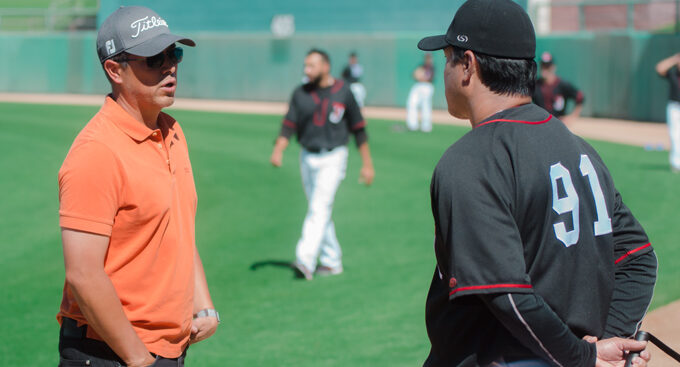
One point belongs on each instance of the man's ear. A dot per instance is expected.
(469, 65)
(114, 70)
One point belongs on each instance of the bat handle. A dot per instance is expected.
(639, 336)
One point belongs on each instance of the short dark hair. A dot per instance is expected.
(322, 53)
(503, 75)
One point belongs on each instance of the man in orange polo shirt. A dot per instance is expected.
(135, 292)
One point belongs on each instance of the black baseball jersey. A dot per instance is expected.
(429, 71)
(673, 78)
(352, 73)
(554, 97)
(323, 118)
(522, 205)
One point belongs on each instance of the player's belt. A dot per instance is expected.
(319, 150)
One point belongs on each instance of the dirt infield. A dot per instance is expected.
(663, 322)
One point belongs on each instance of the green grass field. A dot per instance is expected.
(249, 219)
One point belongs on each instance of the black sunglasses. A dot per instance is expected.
(175, 56)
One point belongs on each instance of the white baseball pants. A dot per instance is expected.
(673, 119)
(359, 93)
(321, 177)
(420, 97)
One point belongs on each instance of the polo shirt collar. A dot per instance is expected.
(124, 121)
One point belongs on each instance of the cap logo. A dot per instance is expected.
(147, 23)
(110, 47)
(462, 38)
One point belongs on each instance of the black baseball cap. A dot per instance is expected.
(136, 30)
(498, 28)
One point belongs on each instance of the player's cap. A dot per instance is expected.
(498, 28)
(546, 59)
(136, 30)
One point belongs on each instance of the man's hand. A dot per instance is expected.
(612, 352)
(148, 361)
(202, 328)
(276, 158)
(277, 153)
(366, 174)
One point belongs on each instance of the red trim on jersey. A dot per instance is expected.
(336, 87)
(320, 116)
(360, 125)
(289, 123)
(315, 97)
(518, 121)
(493, 286)
(631, 252)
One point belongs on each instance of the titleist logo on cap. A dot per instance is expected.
(147, 23)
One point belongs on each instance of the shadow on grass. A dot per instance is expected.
(279, 264)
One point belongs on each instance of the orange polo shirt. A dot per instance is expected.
(123, 180)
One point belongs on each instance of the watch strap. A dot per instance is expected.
(208, 312)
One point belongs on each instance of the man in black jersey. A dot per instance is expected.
(352, 74)
(553, 93)
(539, 262)
(322, 113)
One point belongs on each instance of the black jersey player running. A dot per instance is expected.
(537, 255)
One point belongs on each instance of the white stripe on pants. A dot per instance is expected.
(673, 120)
(420, 96)
(321, 177)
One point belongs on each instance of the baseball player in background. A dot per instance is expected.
(539, 261)
(352, 74)
(420, 97)
(668, 68)
(554, 93)
(322, 113)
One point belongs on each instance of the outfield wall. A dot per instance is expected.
(615, 72)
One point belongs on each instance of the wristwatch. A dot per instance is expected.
(208, 312)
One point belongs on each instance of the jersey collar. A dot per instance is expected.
(523, 114)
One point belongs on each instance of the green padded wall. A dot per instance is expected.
(354, 16)
(616, 72)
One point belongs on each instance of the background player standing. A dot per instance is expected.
(553, 93)
(135, 283)
(668, 68)
(322, 113)
(535, 248)
(420, 97)
(352, 74)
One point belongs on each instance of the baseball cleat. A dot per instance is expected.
(327, 270)
(302, 271)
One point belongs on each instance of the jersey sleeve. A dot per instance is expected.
(572, 92)
(89, 189)
(635, 273)
(672, 74)
(630, 239)
(472, 199)
(355, 120)
(291, 120)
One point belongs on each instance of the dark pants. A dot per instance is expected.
(77, 350)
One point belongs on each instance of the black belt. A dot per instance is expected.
(70, 329)
(319, 150)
